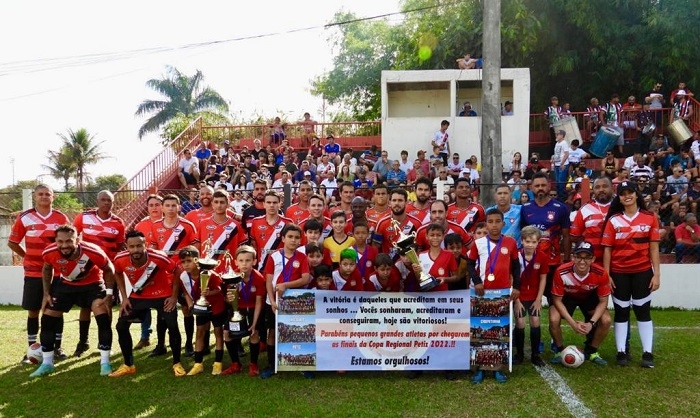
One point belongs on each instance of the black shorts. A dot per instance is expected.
(65, 296)
(586, 305)
(270, 317)
(140, 309)
(527, 308)
(217, 320)
(249, 314)
(189, 178)
(32, 294)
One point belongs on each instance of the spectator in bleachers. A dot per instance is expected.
(613, 119)
(593, 117)
(677, 181)
(507, 109)
(283, 180)
(382, 166)
(331, 148)
(278, 133)
(189, 169)
(682, 108)
(662, 151)
(308, 127)
(371, 175)
(655, 99)
(239, 203)
(681, 86)
(191, 203)
(630, 113)
(224, 183)
(576, 156)
(372, 155)
(443, 178)
(621, 175)
(517, 163)
(325, 166)
(441, 140)
(348, 161)
(641, 170)
(404, 164)
(257, 149)
(345, 174)
(329, 182)
(289, 164)
(203, 153)
(693, 194)
(455, 167)
(533, 167)
(316, 149)
(362, 184)
(414, 173)
(688, 238)
(211, 176)
(240, 182)
(515, 180)
(395, 176)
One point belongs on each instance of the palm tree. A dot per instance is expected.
(83, 151)
(61, 166)
(183, 95)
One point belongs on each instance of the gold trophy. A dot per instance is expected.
(405, 246)
(206, 264)
(237, 324)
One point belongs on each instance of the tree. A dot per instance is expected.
(112, 183)
(83, 151)
(61, 166)
(182, 95)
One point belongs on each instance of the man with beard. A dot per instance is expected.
(85, 277)
(106, 230)
(463, 211)
(197, 215)
(386, 234)
(300, 211)
(36, 227)
(258, 208)
(169, 235)
(552, 218)
(438, 213)
(420, 209)
(150, 273)
(511, 212)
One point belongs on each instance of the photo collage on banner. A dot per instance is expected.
(491, 344)
(296, 331)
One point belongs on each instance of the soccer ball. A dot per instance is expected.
(34, 353)
(572, 357)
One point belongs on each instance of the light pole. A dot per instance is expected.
(12, 162)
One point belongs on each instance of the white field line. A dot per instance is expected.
(572, 402)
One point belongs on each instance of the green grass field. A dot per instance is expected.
(77, 390)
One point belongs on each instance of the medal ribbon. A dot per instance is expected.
(361, 261)
(494, 259)
(286, 275)
(246, 294)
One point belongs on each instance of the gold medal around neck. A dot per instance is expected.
(491, 277)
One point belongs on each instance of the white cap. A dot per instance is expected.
(307, 173)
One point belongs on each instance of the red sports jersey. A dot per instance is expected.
(588, 224)
(86, 269)
(38, 233)
(171, 240)
(501, 259)
(284, 269)
(266, 237)
(444, 265)
(567, 283)
(452, 228)
(325, 232)
(352, 283)
(386, 235)
(107, 234)
(250, 289)
(217, 301)
(466, 218)
(153, 280)
(373, 217)
(365, 261)
(225, 236)
(630, 239)
(145, 226)
(392, 284)
(296, 214)
(198, 215)
(530, 273)
(422, 215)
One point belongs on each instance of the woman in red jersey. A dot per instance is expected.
(631, 257)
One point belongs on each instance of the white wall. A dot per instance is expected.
(679, 286)
(410, 120)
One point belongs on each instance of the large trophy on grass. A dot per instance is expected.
(237, 324)
(405, 245)
(206, 264)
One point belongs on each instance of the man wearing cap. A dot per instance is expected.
(560, 163)
(331, 148)
(581, 284)
(507, 109)
(682, 108)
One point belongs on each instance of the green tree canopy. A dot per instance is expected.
(82, 150)
(182, 95)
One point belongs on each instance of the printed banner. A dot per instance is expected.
(490, 329)
(331, 330)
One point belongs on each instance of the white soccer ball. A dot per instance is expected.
(34, 353)
(572, 357)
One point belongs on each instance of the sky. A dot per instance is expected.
(51, 81)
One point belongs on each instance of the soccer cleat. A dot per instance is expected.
(179, 370)
(253, 370)
(267, 373)
(621, 359)
(158, 351)
(123, 370)
(232, 369)
(596, 359)
(541, 348)
(81, 348)
(196, 369)
(556, 359)
(500, 377)
(144, 342)
(216, 368)
(537, 360)
(43, 370)
(553, 347)
(105, 369)
(478, 377)
(59, 354)
(25, 360)
(647, 360)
